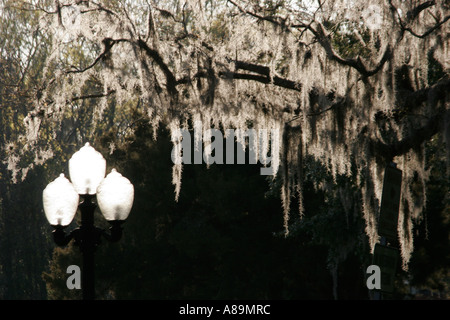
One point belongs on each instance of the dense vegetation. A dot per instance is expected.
(125, 82)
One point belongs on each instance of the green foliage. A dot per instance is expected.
(24, 246)
(349, 40)
(435, 69)
(56, 276)
(218, 29)
(432, 235)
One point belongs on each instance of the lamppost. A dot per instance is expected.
(113, 194)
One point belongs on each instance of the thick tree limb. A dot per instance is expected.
(356, 63)
(415, 139)
(416, 98)
(410, 101)
(325, 42)
(262, 76)
(171, 81)
(265, 75)
(429, 31)
(277, 81)
(262, 70)
(413, 14)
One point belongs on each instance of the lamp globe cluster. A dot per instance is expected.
(87, 169)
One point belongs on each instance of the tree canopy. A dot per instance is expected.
(350, 86)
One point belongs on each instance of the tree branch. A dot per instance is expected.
(357, 63)
(415, 139)
(340, 102)
(255, 15)
(99, 8)
(171, 81)
(429, 31)
(280, 82)
(262, 76)
(108, 43)
(416, 98)
(410, 101)
(324, 41)
(93, 96)
(264, 71)
(413, 14)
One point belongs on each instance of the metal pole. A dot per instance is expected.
(87, 275)
(88, 243)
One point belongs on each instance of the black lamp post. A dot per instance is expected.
(113, 195)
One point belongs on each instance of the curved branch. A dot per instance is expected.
(340, 102)
(429, 31)
(108, 43)
(409, 101)
(415, 139)
(255, 15)
(416, 98)
(171, 81)
(357, 63)
(413, 14)
(166, 14)
(99, 7)
(325, 42)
